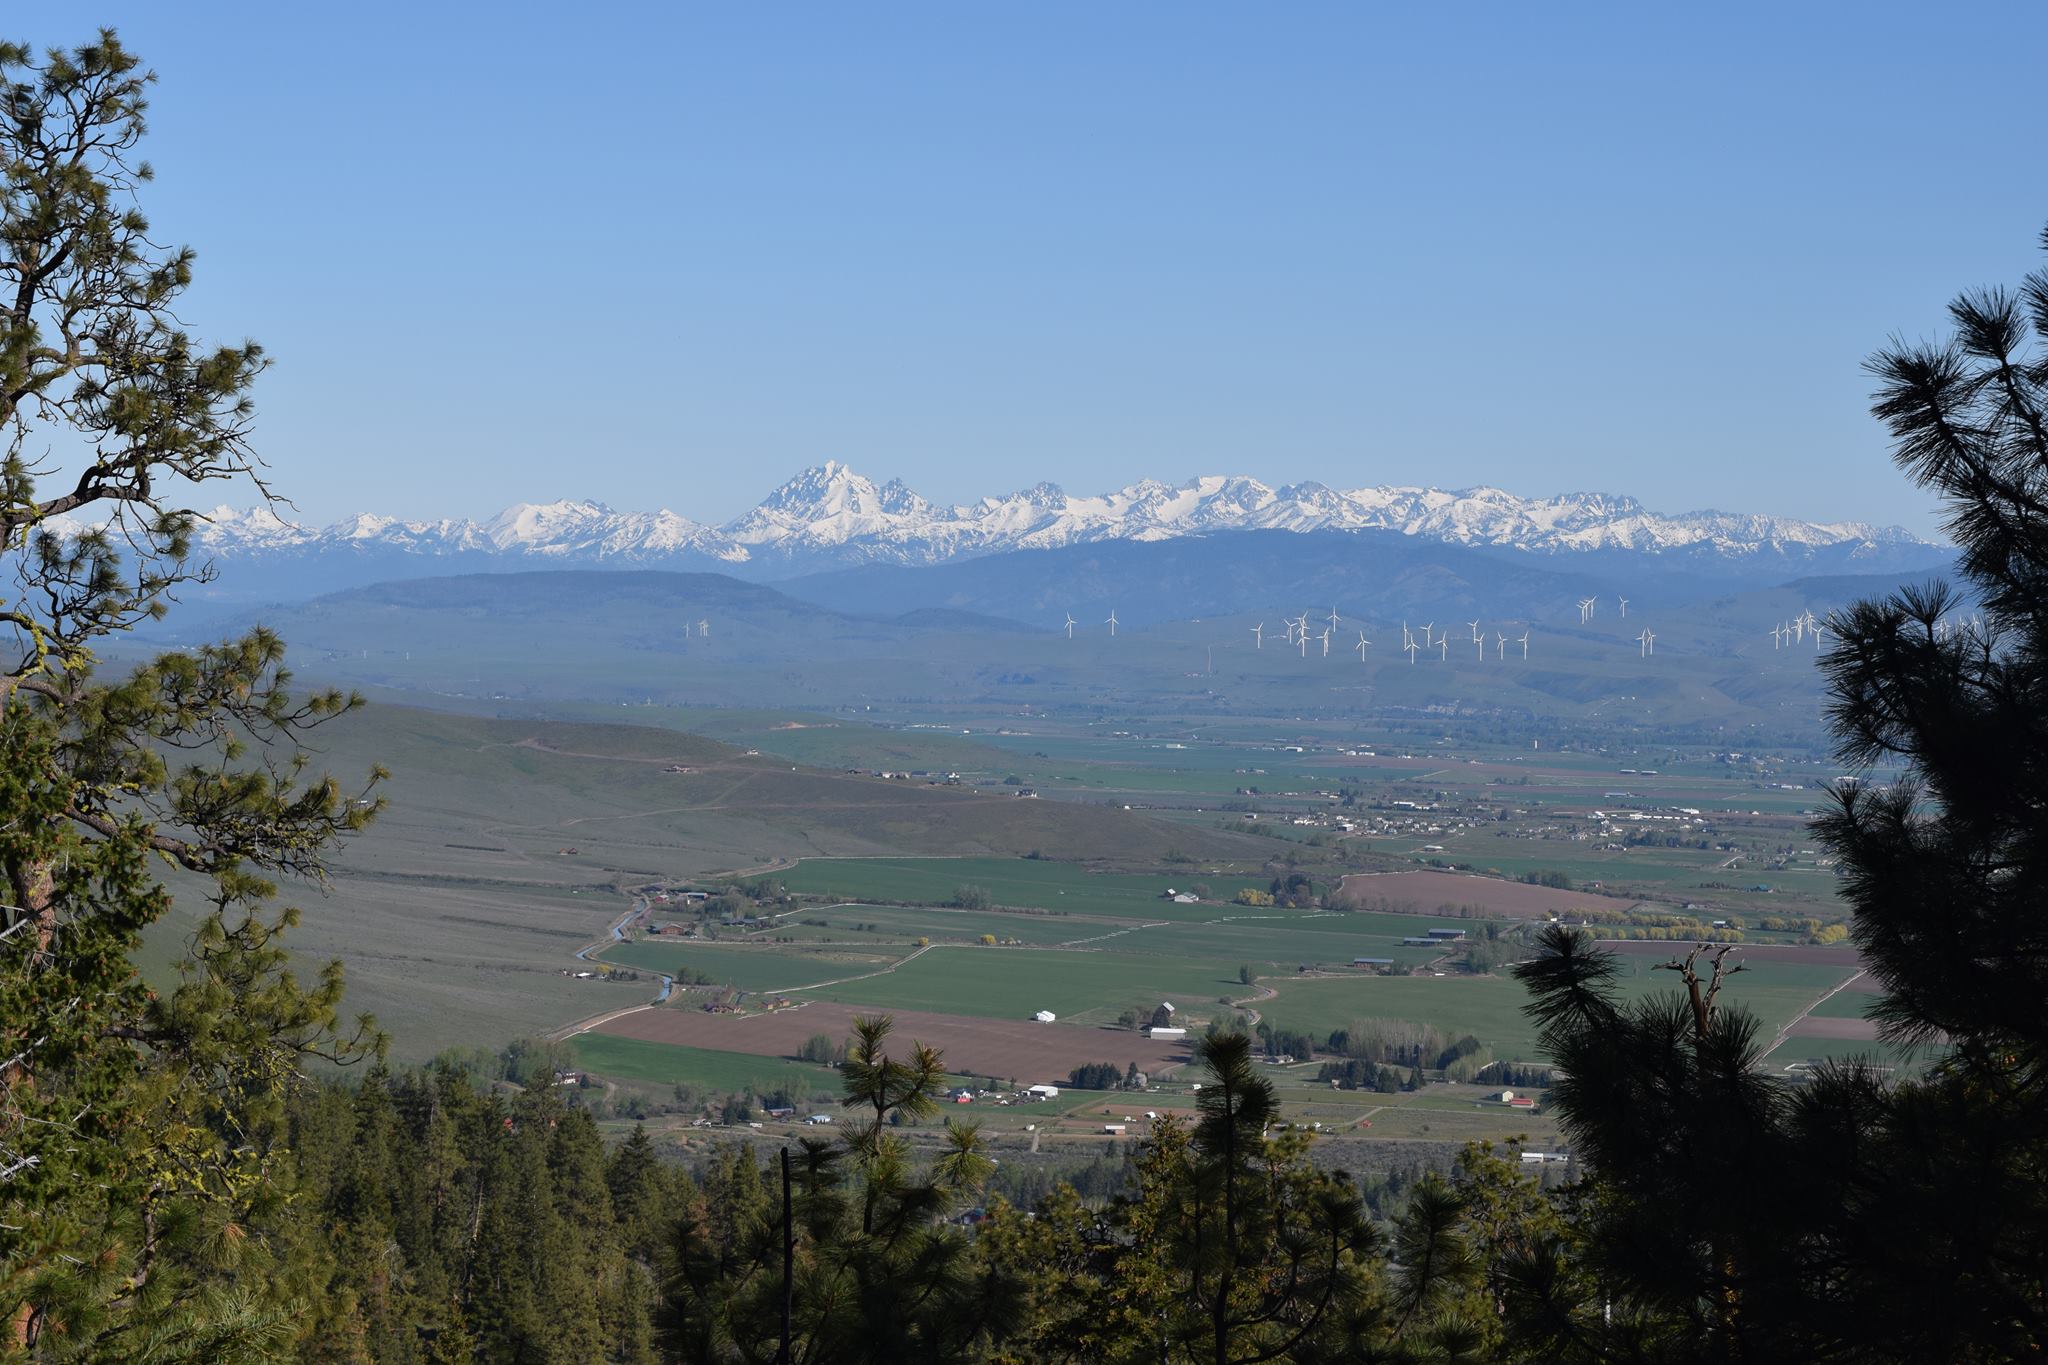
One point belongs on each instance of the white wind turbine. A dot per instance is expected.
(1476, 632)
(1624, 607)
(1112, 623)
(1525, 646)
(1500, 646)
(1443, 644)
(1259, 635)
(1411, 647)
(1334, 618)
(1360, 646)
(1070, 625)
(1777, 637)
(1648, 642)
(1428, 628)
(1326, 642)
(1302, 636)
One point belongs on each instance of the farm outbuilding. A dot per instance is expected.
(1160, 1031)
(1045, 1016)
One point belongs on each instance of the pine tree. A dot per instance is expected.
(140, 1128)
(1729, 1216)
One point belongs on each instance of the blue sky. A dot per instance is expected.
(667, 255)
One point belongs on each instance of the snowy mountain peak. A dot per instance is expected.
(833, 516)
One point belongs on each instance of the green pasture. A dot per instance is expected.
(1490, 1007)
(1040, 883)
(1853, 1003)
(899, 924)
(635, 1059)
(763, 968)
(1012, 983)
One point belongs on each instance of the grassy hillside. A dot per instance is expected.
(506, 843)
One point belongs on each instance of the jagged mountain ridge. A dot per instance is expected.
(833, 517)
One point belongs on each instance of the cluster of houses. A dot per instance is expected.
(924, 775)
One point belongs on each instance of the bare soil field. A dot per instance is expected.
(1031, 1053)
(1424, 892)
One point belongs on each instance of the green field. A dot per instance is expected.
(765, 968)
(1043, 884)
(1490, 1007)
(900, 924)
(669, 1064)
(1079, 986)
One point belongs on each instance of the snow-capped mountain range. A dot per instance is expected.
(831, 517)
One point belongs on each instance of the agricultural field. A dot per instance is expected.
(624, 1057)
(1036, 883)
(764, 967)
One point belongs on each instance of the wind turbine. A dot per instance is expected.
(1259, 635)
(1112, 623)
(1479, 639)
(1070, 625)
(1624, 607)
(1411, 647)
(1647, 641)
(1500, 646)
(1427, 628)
(1476, 632)
(1326, 642)
(1443, 644)
(1525, 646)
(1303, 637)
(1360, 646)
(1334, 618)
(1585, 610)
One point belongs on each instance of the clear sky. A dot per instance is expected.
(666, 255)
